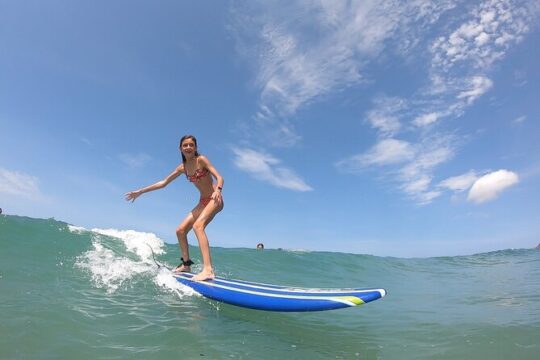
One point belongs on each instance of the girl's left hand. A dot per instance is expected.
(217, 197)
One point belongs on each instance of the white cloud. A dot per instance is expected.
(135, 160)
(385, 116)
(418, 185)
(519, 120)
(389, 151)
(267, 168)
(430, 156)
(489, 186)
(458, 78)
(416, 176)
(493, 26)
(19, 184)
(426, 119)
(416, 163)
(294, 71)
(306, 50)
(385, 152)
(420, 16)
(427, 197)
(461, 182)
(461, 58)
(449, 95)
(452, 90)
(475, 87)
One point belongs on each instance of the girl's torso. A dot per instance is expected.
(200, 177)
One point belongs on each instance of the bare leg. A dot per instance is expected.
(181, 234)
(199, 227)
(207, 272)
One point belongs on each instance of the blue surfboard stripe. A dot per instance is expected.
(296, 291)
(266, 288)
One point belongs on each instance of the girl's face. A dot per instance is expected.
(188, 148)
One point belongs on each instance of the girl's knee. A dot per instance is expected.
(199, 225)
(182, 230)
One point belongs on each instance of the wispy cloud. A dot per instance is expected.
(302, 52)
(19, 184)
(385, 115)
(459, 183)
(417, 175)
(462, 59)
(489, 186)
(310, 49)
(494, 26)
(474, 87)
(267, 168)
(410, 166)
(519, 120)
(385, 152)
(458, 78)
(426, 119)
(135, 160)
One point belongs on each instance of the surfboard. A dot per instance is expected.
(278, 298)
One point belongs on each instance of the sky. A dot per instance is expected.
(391, 128)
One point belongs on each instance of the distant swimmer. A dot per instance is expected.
(210, 203)
(260, 246)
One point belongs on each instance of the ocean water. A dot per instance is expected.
(73, 293)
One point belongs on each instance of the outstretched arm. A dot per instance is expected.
(132, 195)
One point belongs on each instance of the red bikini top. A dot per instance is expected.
(198, 175)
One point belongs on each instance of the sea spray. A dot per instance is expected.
(111, 269)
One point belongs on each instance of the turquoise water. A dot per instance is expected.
(68, 292)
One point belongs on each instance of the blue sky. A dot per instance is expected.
(399, 128)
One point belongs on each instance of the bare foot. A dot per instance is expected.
(182, 268)
(204, 275)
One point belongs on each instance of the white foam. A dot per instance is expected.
(140, 243)
(165, 279)
(76, 229)
(300, 251)
(111, 270)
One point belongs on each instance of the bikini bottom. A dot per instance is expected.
(205, 200)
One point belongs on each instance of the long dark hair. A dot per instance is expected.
(185, 137)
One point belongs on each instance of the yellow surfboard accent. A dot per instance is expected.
(355, 300)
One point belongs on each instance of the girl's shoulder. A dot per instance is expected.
(201, 159)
